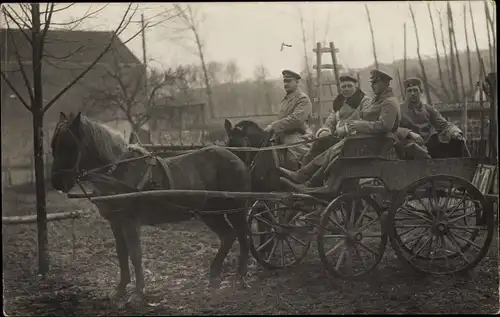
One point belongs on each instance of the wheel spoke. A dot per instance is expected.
(291, 249)
(416, 214)
(456, 207)
(341, 243)
(261, 233)
(459, 248)
(265, 221)
(265, 243)
(353, 212)
(334, 236)
(433, 253)
(412, 226)
(272, 251)
(447, 200)
(466, 240)
(421, 247)
(341, 258)
(360, 219)
(443, 247)
(298, 240)
(407, 231)
(463, 216)
(356, 250)
(337, 224)
(368, 225)
(367, 248)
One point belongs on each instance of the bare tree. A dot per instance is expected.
(191, 21)
(309, 83)
(479, 57)
(453, 70)
(232, 72)
(446, 59)
(469, 64)
(34, 25)
(215, 70)
(373, 36)
(454, 38)
(261, 74)
(422, 68)
(437, 54)
(125, 91)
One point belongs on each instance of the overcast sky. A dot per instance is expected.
(251, 33)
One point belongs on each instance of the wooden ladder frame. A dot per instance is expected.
(319, 83)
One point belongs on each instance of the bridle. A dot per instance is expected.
(77, 173)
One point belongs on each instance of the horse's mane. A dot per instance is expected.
(100, 140)
(245, 125)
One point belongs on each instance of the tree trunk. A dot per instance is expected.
(444, 49)
(37, 112)
(422, 68)
(438, 60)
(208, 88)
(469, 65)
(373, 36)
(404, 53)
(451, 31)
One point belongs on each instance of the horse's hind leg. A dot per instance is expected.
(219, 225)
(121, 251)
(132, 230)
(238, 220)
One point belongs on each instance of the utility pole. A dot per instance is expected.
(144, 59)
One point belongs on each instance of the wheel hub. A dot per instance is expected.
(440, 228)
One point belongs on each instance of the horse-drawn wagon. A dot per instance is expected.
(431, 211)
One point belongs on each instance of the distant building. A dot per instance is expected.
(67, 53)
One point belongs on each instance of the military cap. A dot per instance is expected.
(290, 75)
(412, 82)
(379, 75)
(348, 78)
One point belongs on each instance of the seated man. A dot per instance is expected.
(424, 125)
(379, 117)
(292, 124)
(344, 106)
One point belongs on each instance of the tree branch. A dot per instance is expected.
(19, 61)
(9, 15)
(118, 30)
(25, 104)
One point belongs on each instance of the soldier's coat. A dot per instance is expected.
(292, 124)
(426, 121)
(338, 118)
(378, 117)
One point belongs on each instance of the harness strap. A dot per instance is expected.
(167, 171)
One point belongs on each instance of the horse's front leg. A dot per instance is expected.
(121, 251)
(132, 230)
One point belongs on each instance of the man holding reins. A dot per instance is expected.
(292, 123)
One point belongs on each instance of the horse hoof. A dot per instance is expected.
(243, 284)
(214, 283)
(136, 299)
(118, 293)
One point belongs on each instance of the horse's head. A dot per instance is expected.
(79, 144)
(245, 133)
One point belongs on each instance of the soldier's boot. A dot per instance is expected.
(302, 175)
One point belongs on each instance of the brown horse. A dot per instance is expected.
(80, 144)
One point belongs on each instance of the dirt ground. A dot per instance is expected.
(176, 260)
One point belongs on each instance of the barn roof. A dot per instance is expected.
(71, 46)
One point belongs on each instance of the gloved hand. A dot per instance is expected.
(456, 135)
(269, 128)
(417, 138)
(323, 132)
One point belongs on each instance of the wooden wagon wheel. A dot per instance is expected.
(280, 235)
(351, 238)
(441, 224)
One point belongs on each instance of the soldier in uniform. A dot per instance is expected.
(378, 117)
(292, 123)
(424, 125)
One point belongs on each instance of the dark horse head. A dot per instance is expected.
(264, 164)
(78, 144)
